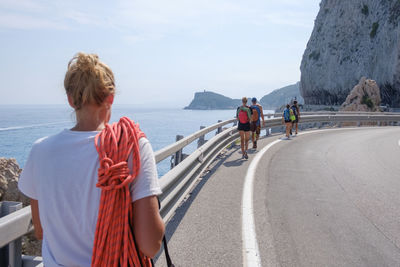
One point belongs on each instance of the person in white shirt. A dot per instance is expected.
(60, 174)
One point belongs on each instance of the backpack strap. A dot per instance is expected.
(168, 258)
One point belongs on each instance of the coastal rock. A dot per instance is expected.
(9, 175)
(209, 100)
(365, 96)
(282, 96)
(352, 39)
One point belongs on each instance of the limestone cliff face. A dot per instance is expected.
(352, 39)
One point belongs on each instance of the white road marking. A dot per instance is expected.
(399, 142)
(251, 254)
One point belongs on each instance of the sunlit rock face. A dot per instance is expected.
(365, 96)
(9, 175)
(352, 39)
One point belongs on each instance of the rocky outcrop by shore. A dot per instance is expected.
(209, 100)
(352, 39)
(9, 175)
(365, 96)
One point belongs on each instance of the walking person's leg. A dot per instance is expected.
(246, 142)
(242, 136)
(253, 129)
(258, 131)
(288, 129)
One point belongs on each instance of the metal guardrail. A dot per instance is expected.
(177, 182)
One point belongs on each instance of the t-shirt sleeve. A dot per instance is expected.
(28, 180)
(146, 183)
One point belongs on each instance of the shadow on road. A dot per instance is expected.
(234, 163)
(181, 211)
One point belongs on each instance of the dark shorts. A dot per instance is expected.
(287, 121)
(296, 120)
(255, 128)
(244, 127)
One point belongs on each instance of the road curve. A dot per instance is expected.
(326, 198)
(330, 198)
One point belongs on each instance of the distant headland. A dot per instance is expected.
(208, 100)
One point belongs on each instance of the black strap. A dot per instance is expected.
(169, 262)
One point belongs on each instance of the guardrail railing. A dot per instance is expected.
(177, 182)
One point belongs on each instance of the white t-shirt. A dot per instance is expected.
(61, 173)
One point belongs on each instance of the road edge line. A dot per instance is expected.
(251, 254)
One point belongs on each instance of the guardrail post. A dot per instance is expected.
(219, 130)
(201, 140)
(10, 255)
(379, 123)
(359, 124)
(178, 154)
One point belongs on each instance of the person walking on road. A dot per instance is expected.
(255, 125)
(287, 121)
(243, 115)
(296, 112)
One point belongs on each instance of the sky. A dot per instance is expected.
(161, 52)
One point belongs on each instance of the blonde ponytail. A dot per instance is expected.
(88, 80)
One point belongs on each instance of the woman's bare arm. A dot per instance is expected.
(148, 225)
(36, 219)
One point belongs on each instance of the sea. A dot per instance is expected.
(22, 125)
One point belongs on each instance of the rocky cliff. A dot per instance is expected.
(352, 39)
(9, 174)
(282, 96)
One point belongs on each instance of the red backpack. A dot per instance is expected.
(242, 116)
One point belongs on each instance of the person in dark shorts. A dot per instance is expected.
(296, 111)
(243, 115)
(286, 120)
(255, 125)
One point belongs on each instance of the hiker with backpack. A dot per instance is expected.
(296, 112)
(243, 115)
(287, 119)
(255, 125)
(94, 187)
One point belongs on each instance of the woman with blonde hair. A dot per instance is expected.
(243, 115)
(94, 187)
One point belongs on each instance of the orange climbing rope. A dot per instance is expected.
(114, 243)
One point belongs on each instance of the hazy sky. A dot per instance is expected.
(160, 51)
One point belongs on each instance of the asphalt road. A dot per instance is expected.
(327, 198)
(331, 198)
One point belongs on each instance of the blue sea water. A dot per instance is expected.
(21, 125)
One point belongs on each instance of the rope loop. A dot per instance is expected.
(114, 243)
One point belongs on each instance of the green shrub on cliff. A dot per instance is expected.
(375, 26)
(365, 10)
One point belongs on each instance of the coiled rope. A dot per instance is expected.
(114, 243)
